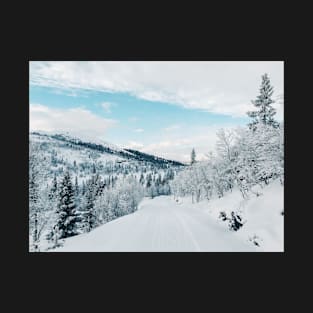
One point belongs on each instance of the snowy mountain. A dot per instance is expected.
(95, 149)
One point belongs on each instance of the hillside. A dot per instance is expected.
(105, 181)
(58, 153)
(98, 150)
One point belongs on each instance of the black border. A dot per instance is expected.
(218, 272)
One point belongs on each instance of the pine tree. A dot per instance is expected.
(89, 219)
(148, 180)
(265, 113)
(54, 188)
(193, 156)
(141, 179)
(158, 184)
(94, 168)
(67, 217)
(76, 187)
(83, 188)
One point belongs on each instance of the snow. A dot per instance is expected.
(262, 213)
(162, 224)
(70, 154)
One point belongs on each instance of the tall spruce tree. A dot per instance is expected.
(54, 188)
(148, 180)
(193, 156)
(265, 112)
(141, 179)
(67, 218)
(89, 219)
(76, 187)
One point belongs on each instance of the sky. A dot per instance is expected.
(163, 108)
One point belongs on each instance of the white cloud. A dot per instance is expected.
(76, 121)
(107, 106)
(134, 145)
(178, 146)
(139, 130)
(218, 87)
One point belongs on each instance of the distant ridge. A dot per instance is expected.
(105, 147)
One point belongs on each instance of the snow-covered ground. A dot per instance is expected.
(264, 222)
(162, 224)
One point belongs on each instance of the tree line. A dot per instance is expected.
(65, 207)
(245, 157)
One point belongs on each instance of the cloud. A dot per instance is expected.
(178, 146)
(76, 121)
(107, 106)
(134, 145)
(218, 87)
(139, 130)
(171, 128)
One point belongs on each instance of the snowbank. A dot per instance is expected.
(263, 215)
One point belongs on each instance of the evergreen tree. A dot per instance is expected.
(265, 112)
(141, 179)
(83, 188)
(93, 168)
(193, 156)
(54, 188)
(158, 185)
(152, 191)
(67, 217)
(89, 219)
(76, 187)
(148, 180)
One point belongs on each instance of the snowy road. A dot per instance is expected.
(160, 224)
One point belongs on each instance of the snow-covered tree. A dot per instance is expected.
(76, 188)
(152, 190)
(67, 217)
(148, 180)
(130, 193)
(261, 155)
(141, 179)
(265, 112)
(88, 214)
(54, 188)
(244, 159)
(37, 203)
(193, 156)
(105, 206)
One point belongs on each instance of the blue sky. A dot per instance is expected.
(160, 108)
